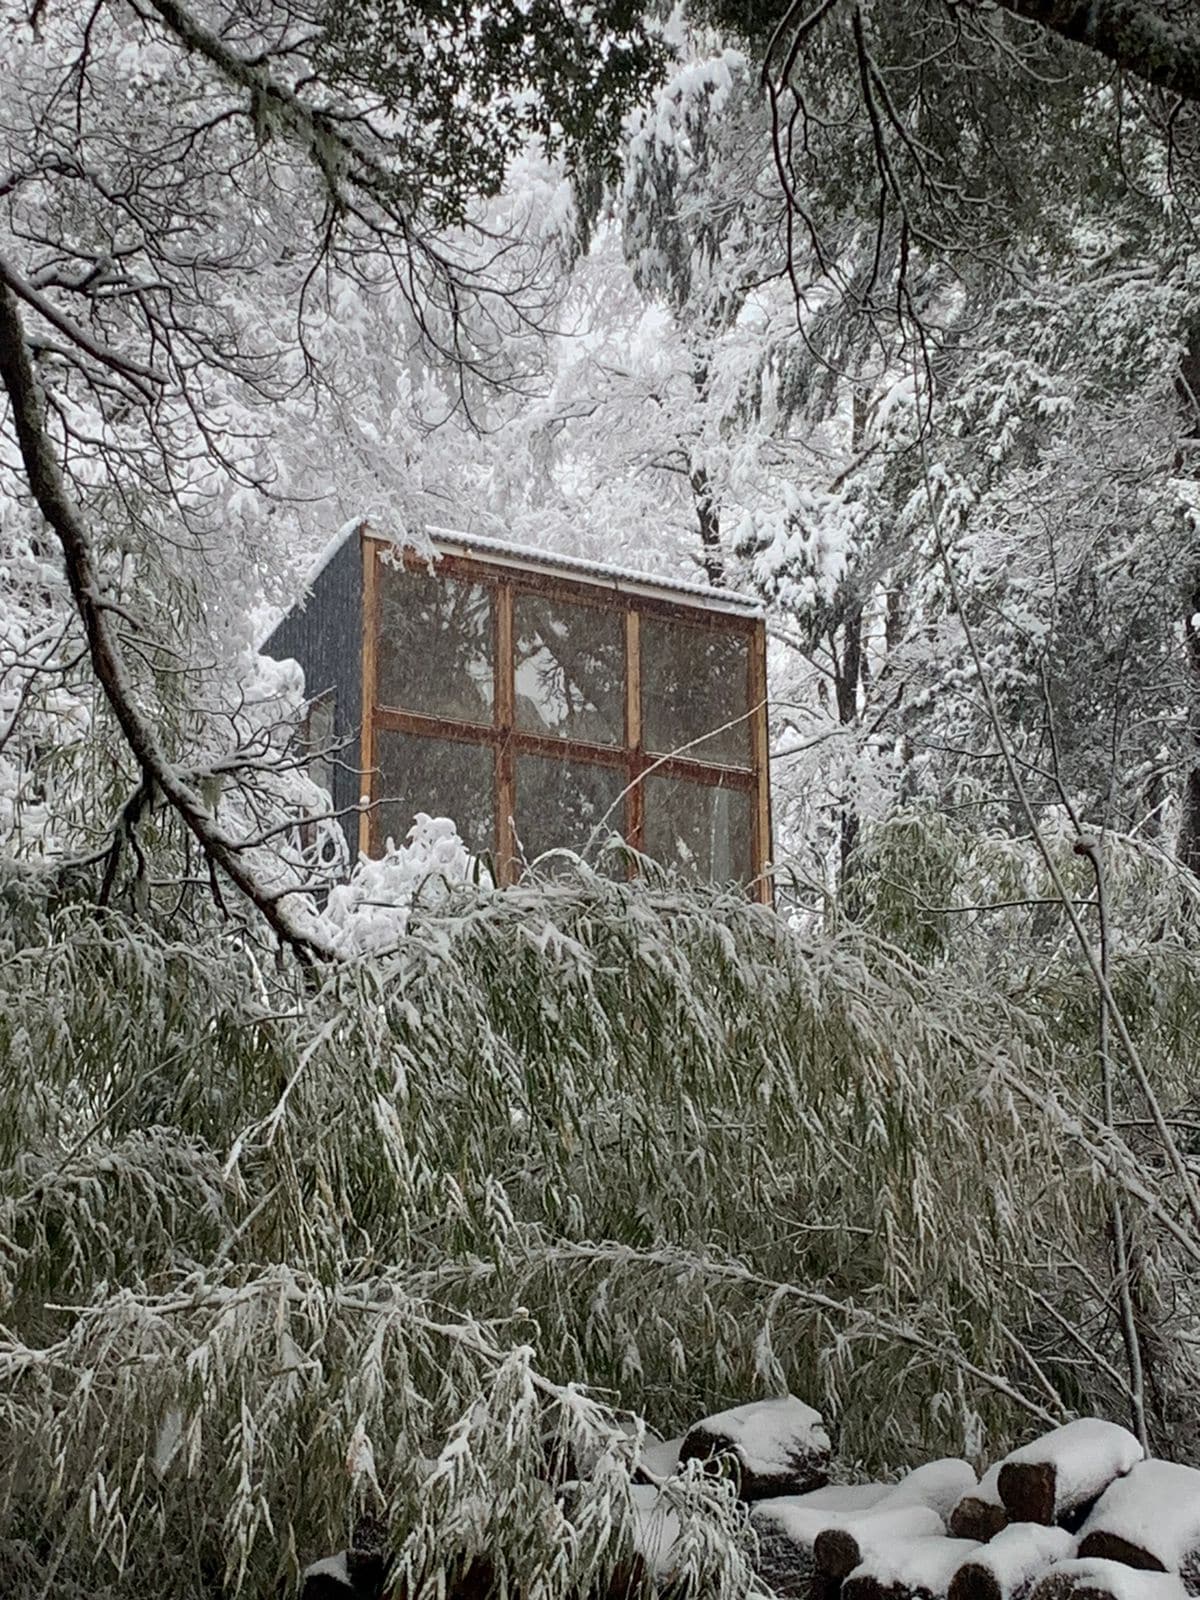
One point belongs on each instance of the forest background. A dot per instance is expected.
(883, 312)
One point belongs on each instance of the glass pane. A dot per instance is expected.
(700, 829)
(319, 740)
(570, 669)
(695, 680)
(443, 777)
(560, 804)
(435, 647)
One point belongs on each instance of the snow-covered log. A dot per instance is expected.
(909, 1569)
(788, 1525)
(780, 1446)
(915, 1507)
(1149, 1519)
(940, 1485)
(328, 1579)
(980, 1514)
(1057, 1478)
(1092, 1579)
(1015, 1559)
(838, 1550)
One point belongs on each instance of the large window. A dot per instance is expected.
(545, 714)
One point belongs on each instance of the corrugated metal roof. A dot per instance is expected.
(451, 541)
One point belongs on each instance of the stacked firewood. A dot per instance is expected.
(1078, 1514)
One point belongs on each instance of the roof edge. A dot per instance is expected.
(449, 541)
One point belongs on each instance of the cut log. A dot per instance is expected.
(838, 1550)
(1084, 1579)
(1017, 1557)
(788, 1525)
(909, 1569)
(367, 1559)
(327, 1580)
(1058, 1477)
(784, 1564)
(1150, 1520)
(940, 1485)
(779, 1447)
(1111, 1547)
(980, 1514)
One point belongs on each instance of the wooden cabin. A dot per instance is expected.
(539, 701)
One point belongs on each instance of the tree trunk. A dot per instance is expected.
(709, 519)
(850, 667)
(708, 514)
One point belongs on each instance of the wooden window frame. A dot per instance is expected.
(508, 741)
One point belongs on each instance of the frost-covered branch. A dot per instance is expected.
(56, 504)
(1134, 37)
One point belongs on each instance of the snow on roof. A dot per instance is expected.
(449, 541)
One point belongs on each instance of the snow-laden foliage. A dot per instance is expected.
(278, 1248)
(243, 268)
(370, 911)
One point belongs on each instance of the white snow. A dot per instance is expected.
(1157, 1506)
(347, 530)
(885, 1524)
(1086, 1455)
(331, 1567)
(660, 1457)
(170, 1437)
(370, 911)
(1020, 1554)
(801, 1517)
(655, 1529)
(843, 1497)
(768, 1434)
(988, 1487)
(876, 1530)
(922, 1563)
(938, 1484)
(1113, 1577)
(872, 1513)
(602, 572)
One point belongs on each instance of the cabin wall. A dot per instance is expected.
(325, 637)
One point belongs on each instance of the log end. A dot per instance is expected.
(1111, 1547)
(974, 1582)
(1029, 1491)
(976, 1519)
(836, 1553)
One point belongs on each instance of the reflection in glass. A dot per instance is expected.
(569, 663)
(700, 829)
(435, 646)
(560, 804)
(695, 680)
(319, 739)
(443, 777)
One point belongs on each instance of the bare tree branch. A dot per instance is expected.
(56, 504)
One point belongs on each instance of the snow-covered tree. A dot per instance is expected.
(198, 204)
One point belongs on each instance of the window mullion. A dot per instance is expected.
(504, 700)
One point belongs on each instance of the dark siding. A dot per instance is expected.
(324, 634)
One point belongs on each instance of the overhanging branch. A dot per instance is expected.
(1135, 38)
(56, 504)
